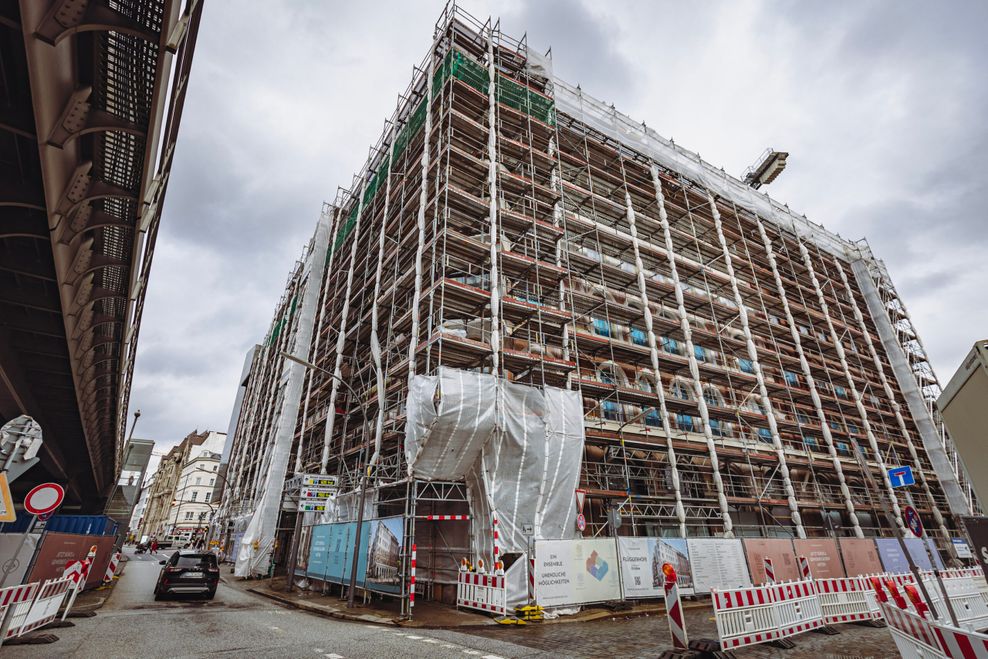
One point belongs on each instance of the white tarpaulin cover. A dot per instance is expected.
(518, 447)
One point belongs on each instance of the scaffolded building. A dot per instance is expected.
(742, 370)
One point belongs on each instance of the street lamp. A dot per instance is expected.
(293, 556)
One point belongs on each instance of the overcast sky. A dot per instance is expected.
(881, 105)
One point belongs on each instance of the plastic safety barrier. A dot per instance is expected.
(45, 607)
(15, 603)
(797, 607)
(967, 597)
(914, 637)
(745, 616)
(482, 591)
(846, 599)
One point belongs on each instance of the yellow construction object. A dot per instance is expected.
(530, 612)
(509, 621)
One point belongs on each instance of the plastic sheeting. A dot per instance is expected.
(518, 447)
(254, 550)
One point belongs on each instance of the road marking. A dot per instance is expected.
(491, 656)
(333, 655)
(414, 638)
(472, 652)
(318, 649)
(450, 645)
(429, 640)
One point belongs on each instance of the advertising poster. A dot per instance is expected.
(717, 563)
(384, 555)
(893, 560)
(961, 548)
(641, 566)
(860, 556)
(823, 555)
(977, 530)
(57, 549)
(780, 550)
(318, 547)
(576, 571)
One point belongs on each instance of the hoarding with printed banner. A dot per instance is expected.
(780, 550)
(893, 560)
(823, 555)
(331, 552)
(384, 555)
(860, 556)
(641, 566)
(576, 571)
(717, 563)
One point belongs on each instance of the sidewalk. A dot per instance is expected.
(427, 615)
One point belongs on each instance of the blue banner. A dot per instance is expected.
(893, 560)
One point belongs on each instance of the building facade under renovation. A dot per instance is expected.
(524, 292)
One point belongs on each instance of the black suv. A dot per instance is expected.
(188, 572)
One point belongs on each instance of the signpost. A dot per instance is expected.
(41, 500)
(7, 512)
(314, 490)
(913, 521)
(901, 476)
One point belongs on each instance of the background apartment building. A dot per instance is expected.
(164, 492)
(738, 369)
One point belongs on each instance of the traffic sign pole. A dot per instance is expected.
(933, 564)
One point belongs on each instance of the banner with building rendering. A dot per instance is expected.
(641, 565)
(384, 555)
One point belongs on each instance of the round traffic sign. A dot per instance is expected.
(581, 522)
(913, 521)
(44, 498)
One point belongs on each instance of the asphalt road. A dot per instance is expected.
(132, 624)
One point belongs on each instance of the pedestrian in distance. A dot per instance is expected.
(154, 545)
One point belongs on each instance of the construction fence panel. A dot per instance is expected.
(797, 607)
(45, 607)
(15, 604)
(845, 600)
(745, 616)
(482, 592)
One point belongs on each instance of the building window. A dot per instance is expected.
(811, 443)
(791, 379)
(684, 422)
(611, 410)
(712, 397)
(746, 365)
(638, 337)
(851, 428)
(188, 515)
(670, 345)
(679, 390)
(834, 425)
(215, 467)
(699, 353)
(207, 497)
(195, 495)
(765, 434)
(211, 481)
(601, 327)
(198, 480)
(802, 419)
(843, 448)
(840, 391)
(652, 418)
(718, 429)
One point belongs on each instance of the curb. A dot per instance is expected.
(412, 624)
(320, 610)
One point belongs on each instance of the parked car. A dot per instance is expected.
(188, 572)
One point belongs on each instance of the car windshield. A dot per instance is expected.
(196, 560)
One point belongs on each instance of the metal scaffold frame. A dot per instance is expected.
(507, 223)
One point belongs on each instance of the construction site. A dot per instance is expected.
(524, 292)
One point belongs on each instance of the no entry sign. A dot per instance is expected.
(44, 498)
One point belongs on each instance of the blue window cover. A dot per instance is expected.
(746, 365)
(612, 411)
(652, 418)
(851, 428)
(684, 422)
(765, 434)
(699, 353)
(670, 345)
(810, 441)
(840, 391)
(601, 327)
(792, 379)
(843, 448)
(638, 337)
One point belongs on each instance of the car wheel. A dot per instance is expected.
(211, 594)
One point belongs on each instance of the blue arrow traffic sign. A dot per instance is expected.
(901, 476)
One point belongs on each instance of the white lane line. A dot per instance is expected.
(450, 645)
(429, 640)
(475, 653)
(333, 655)
(491, 656)
(414, 638)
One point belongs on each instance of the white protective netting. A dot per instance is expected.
(518, 447)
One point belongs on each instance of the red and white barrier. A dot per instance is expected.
(769, 571)
(745, 616)
(845, 600)
(45, 607)
(446, 518)
(15, 604)
(482, 591)
(797, 607)
(111, 568)
(804, 569)
(411, 582)
(77, 572)
(674, 608)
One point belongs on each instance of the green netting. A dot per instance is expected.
(461, 67)
(276, 331)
